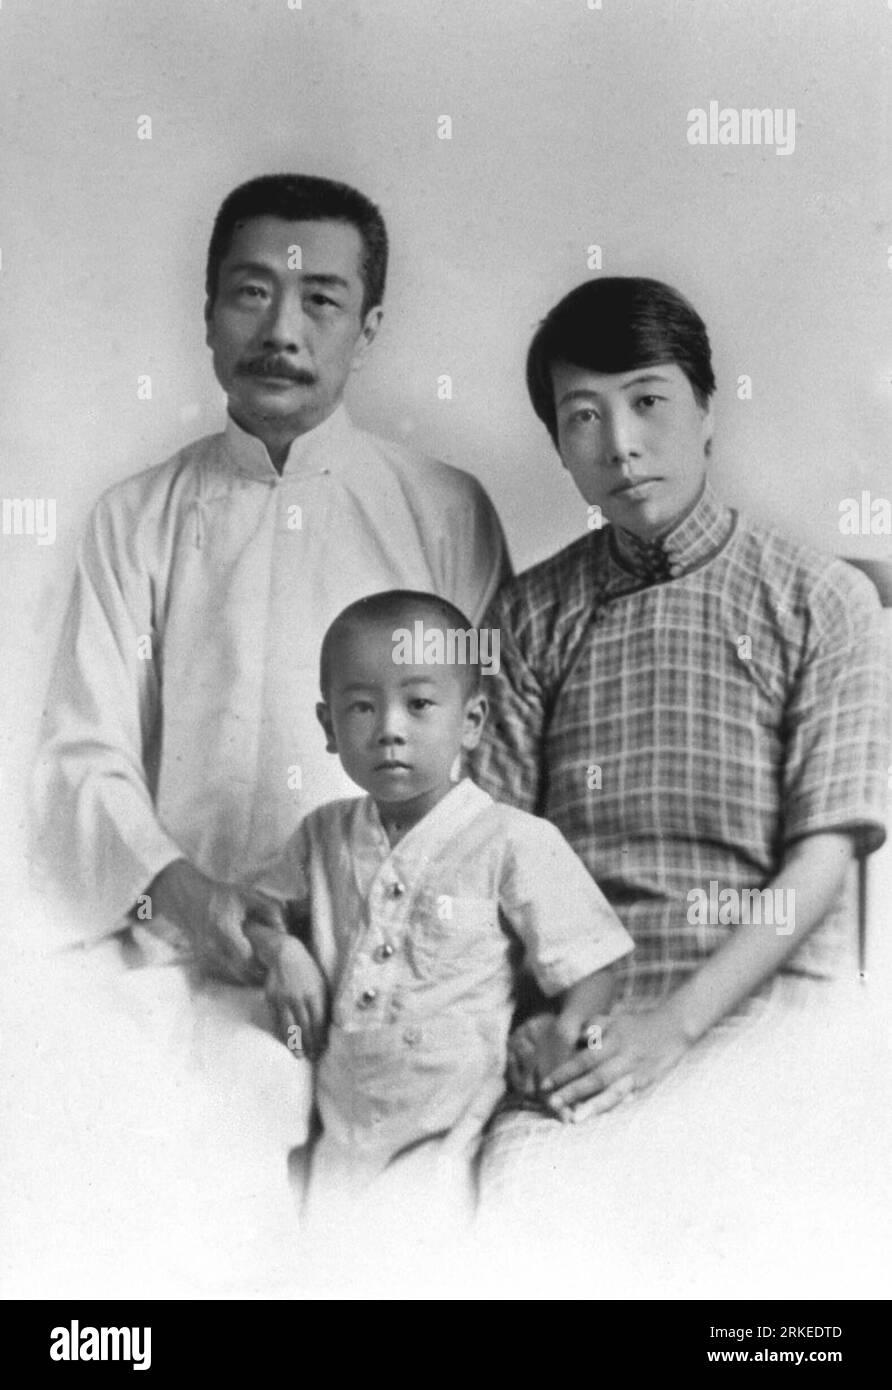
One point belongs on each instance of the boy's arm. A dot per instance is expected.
(295, 987)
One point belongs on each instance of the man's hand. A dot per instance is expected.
(213, 915)
(633, 1051)
(295, 988)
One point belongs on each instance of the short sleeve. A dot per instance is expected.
(507, 762)
(286, 875)
(567, 927)
(837, 719)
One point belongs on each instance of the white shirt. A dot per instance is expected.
(181, 715)
(421, 944)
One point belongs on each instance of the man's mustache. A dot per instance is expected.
(275, 366)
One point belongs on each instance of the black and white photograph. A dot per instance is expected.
(446, 483)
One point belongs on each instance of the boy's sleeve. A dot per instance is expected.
(568, 928)
(286, 875)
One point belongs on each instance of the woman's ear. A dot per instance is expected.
(323, 714)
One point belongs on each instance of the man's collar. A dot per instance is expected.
(692, 540)
(318, 450)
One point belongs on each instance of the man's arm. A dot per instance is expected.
(96, 830)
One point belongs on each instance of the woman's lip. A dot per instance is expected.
(636, 486)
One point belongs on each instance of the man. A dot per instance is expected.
(181, 747)
(697, 703)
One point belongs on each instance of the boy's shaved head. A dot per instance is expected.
(395, 608)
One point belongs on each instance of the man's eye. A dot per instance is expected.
(251, 292)
(323, 301)
(359, 706)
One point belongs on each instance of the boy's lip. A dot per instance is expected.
(393, 765)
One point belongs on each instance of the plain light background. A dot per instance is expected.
(569, 128)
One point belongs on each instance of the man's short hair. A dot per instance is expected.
(302, 198)
(617, 324)
(397, 608)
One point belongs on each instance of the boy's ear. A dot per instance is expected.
(324, 716)
(476, 710)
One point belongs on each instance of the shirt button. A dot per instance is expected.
(397, 890)
(367, 997)
(412, 1036)
(383, 952)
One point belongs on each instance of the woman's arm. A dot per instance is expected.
(637, 1049)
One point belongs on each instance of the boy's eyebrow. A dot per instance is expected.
(589, 393)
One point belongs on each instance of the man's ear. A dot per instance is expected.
(476, 710)
(323, 714)
(367, 334)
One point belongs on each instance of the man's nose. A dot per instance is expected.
(284, 326)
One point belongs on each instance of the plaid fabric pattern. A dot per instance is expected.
(682, 733)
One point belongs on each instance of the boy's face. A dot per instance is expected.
(635, 442)
(397, 728)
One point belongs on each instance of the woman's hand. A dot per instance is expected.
(629, 1053)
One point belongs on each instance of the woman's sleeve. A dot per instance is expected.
(837, 721)
(508, 760)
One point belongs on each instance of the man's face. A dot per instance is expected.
(286, 330)
(635, 442)
(398, 728)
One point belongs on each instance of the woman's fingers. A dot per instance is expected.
(598, 1077)
(608, 1099)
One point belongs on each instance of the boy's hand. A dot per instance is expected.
(522, 1045)
(295, 987)
(537, 1049)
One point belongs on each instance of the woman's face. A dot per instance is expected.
(635, 442)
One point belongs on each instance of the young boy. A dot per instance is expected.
(424, 896)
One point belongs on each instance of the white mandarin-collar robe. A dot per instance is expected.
(180, 719)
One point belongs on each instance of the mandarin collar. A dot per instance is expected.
(690, 542)
(319, 450)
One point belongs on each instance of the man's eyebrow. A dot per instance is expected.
(589, 393)
(270, 271)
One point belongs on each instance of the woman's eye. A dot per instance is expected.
(583, 417)
(648, 401)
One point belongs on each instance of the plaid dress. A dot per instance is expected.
(683, 712)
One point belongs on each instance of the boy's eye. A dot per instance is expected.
(323, 301)
(359, 706)
(420, 702)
